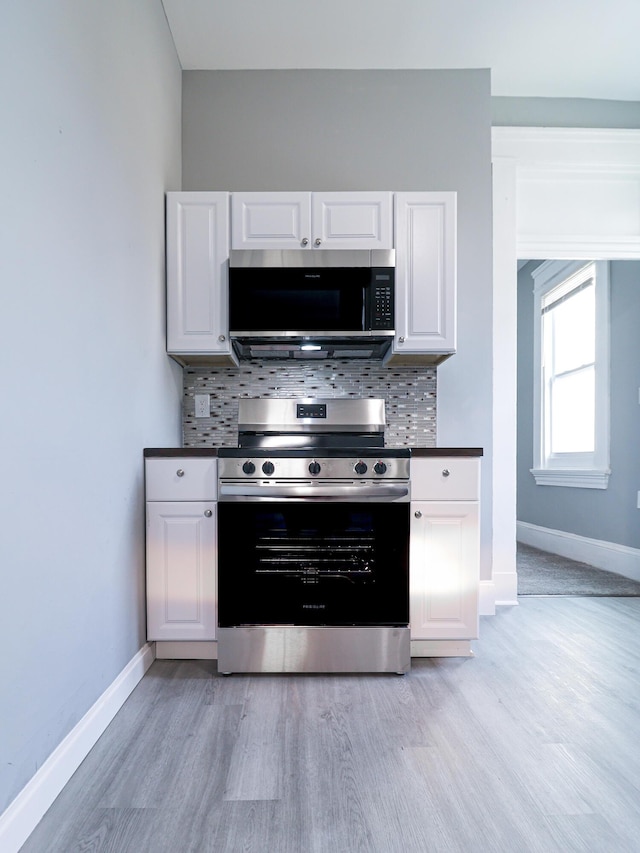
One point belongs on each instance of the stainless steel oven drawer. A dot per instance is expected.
(314, 649)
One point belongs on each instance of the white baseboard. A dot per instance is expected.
(505, 588)
(596, 552)
(500, 591)
(22, 816)
(486, 599)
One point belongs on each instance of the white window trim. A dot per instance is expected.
(577, 470)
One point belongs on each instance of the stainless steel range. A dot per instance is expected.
(313, 526)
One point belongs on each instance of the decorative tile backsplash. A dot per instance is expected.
(409, 394)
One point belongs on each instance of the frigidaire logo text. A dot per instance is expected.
(311, 275)
(313, 606)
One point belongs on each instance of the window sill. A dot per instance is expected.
(572, 477)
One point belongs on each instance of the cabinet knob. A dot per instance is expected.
(221, 339)
(180, 472)
(318, 241)
(445, 472)
(418, 514)
(208, 513)
(305, 241)
(401, 339)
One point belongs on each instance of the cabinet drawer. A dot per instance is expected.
(181, 479)
(445, 478)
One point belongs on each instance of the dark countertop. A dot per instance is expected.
(151, 452)
(416, 452)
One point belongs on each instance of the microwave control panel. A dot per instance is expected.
(382, 299)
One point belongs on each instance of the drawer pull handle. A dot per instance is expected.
(180, 472)
(418, 514)
(208, 513)
(446, 472)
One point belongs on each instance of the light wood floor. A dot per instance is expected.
(532, 745)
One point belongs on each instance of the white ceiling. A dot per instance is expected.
(548, 48)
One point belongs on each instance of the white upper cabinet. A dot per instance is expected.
(197, 273)
(304, 220)
(270, 220)
(426, 255)
(202, 227)
(352, 220)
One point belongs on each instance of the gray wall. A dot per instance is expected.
(360, 130)
(564, 112)
(610, 515)
(90, 97)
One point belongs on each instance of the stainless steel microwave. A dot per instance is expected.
(311, 303)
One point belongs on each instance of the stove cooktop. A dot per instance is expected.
(324, 463)
(317, 437)
(307, 452)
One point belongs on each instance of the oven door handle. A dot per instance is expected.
(386, 492)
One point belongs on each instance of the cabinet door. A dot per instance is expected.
(444, 570)
(351, 220)
(181, 571)
(270, 220)
(425, 240)
(197, 273)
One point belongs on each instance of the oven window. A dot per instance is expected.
(298, 563)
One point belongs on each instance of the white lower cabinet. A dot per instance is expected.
(182, 555)
(181, 549)
(443, 575)
(444, 555)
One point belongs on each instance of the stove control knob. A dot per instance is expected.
(314, 467)
(360, 467)
(267, 468)
(248, 467)
(380, 467)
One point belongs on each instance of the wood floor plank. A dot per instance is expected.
(591, 833)
(256, 760)
(530, 745)
(321, 760)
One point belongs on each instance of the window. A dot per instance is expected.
(571, 374)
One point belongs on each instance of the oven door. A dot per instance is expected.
(316, 563)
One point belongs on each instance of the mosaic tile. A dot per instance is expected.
(410, 395)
